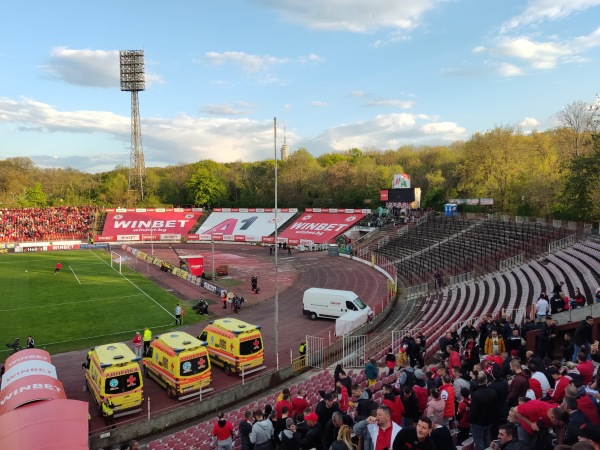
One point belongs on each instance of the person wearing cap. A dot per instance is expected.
(561, 382)
(325, 409)
(590, 433)
(421, 391)
(314, 436)
(377, 432)
(262, 432)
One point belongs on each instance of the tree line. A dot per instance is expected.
(554, 173)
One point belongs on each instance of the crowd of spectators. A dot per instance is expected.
(395, 214)
(485, 387)
(45, 224)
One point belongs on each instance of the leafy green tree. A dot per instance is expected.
(206, 185)
(36, 197)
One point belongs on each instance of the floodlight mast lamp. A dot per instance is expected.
(132, 80)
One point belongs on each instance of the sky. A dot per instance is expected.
(339, 74)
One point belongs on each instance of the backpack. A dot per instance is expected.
(410, 378)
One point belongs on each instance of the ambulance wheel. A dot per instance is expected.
(145, 372)
(227, 369)
(170, 393)
(313, 316)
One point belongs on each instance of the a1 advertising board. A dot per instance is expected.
(321, 227)
(248, 225)
(136, 224)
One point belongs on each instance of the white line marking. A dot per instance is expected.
(74, 274)
(135, 285)
(49, 305)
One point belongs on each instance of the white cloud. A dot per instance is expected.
(390, 131)
(529, 122)
(247, 62)
(479, 49)
(97, 68)
(528, 53)
(239, 109)
(548, 10)
(509, 70)
(357, 16)
(403, 104)
(319, 104)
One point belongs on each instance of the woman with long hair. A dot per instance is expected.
(344, 439)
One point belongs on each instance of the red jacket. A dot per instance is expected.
(280, 404)
(422, 397)
(558, 393)
(396, 407)
(447, 393)
(536, 387)
(586, 370)
(343, 400)
(463, 413)
(223, 430)
(299, 404)
(453, 360)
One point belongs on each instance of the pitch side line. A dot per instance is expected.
(46, 305)
(46, 344)
(135, 285)
(74, 274)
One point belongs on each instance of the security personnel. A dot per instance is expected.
(147, 339)
(302, 351)
(108, 413)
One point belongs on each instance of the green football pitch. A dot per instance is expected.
(87, 303)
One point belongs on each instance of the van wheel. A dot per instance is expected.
(313, 316)
(227, 369)
(145, 372)
(170, 393)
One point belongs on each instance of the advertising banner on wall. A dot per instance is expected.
(131, 224)
(242, 225)
(320, 227)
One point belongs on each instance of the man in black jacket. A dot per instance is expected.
(583, 336)
(483, 413)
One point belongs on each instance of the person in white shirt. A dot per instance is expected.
(542, 307)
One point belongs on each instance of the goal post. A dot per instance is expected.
(116, 261)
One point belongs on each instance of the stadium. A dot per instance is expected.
(423, 273)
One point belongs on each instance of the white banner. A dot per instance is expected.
(252, 224)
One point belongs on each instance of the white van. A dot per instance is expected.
(332, 303)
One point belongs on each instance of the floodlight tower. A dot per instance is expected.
(132, 80)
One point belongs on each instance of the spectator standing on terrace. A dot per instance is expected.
(262, 432)
(314, 436)
(518, 385)
(371, 372)
(545, 343)
(597, 295)
(245, 428)
(378, 432)
(468, 330)
(299, 403)
(223, 433)
(390, 361)
(57, 268)
(583, 337)
(438, 279)
(567, 347)
(483, 413)
(542, 307)
(494, 343)
(415, 438)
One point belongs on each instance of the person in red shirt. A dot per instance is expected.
(585, 368)
(453, 358)
(561, 382)
(285, 401)
(58, 267)
(394, 403)
(223, 432)
(464, 426)
(533, 411)
(447, 393)
(299, 403)
(342, 397)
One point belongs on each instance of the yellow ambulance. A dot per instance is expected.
(112, 371)
(179, 362)
(234, 345)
